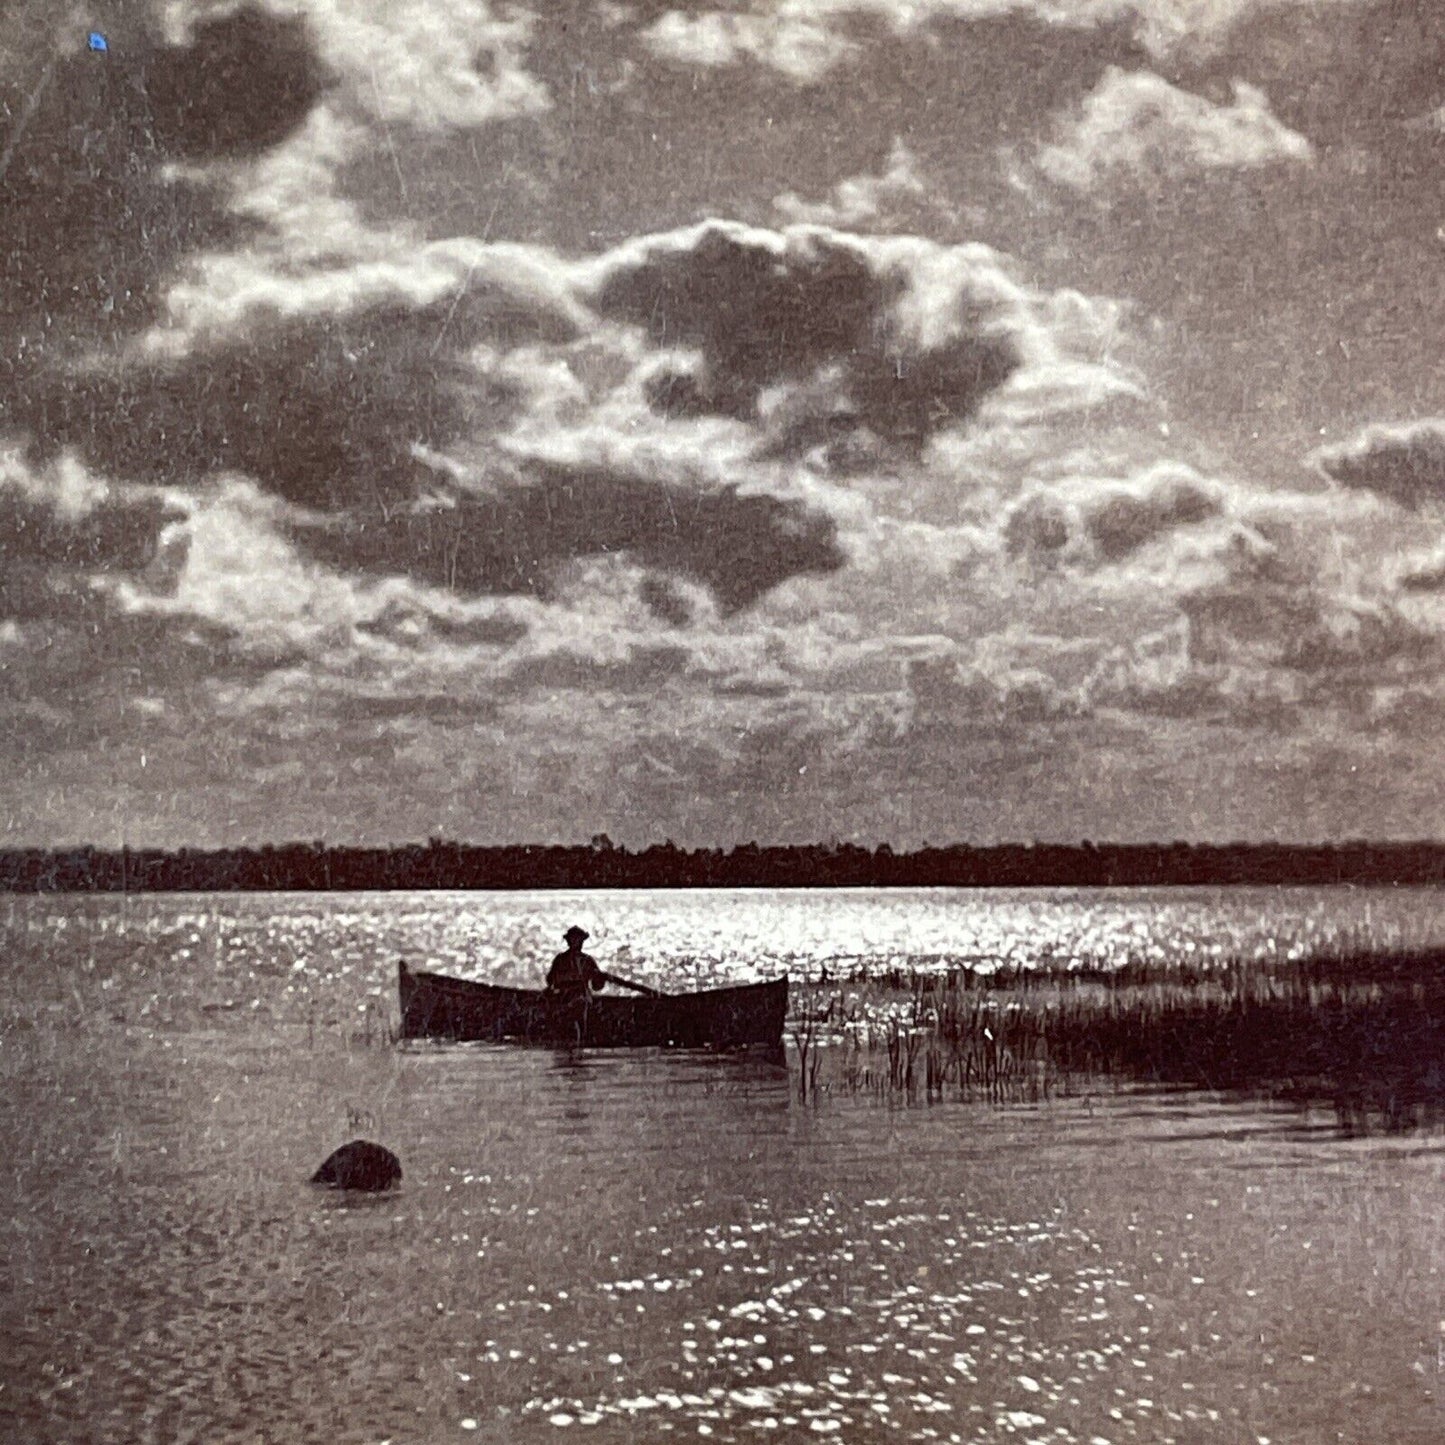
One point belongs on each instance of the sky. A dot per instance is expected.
(872, 420)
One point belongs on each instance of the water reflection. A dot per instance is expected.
(1362, 1034)
(757, 1063)
(637, 1245)
(571, 1061)
(351, 1201)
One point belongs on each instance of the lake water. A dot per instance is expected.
(632, 1246)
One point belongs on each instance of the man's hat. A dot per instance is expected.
(580, 934)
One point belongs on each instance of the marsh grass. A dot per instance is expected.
(1363, 1033)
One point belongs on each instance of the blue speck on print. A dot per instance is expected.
(96, 41)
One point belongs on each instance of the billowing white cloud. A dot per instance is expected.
(831, 338)
(293, 192)
(1135, 127)
(466, 283)
(802, 46)
(805, 39)
(860, 201)
(1275, 620)
(429, 64)
(720, 527)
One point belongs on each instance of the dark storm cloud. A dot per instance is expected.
(50, 555)
(327, 412)
(1365, 642)
(1426, 577)
(1405, 463)
(91, 229)
(117, 535)
(664, 601)
(322, 411)
(738, 544)
(30, 593)
(1117, 520)
(1123, 521)
(243, 84)
(1038, 527)
(85, 574)
(89, 223)
(764, 310)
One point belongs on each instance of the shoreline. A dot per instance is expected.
(438, 865)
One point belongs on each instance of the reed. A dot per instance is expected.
(376, 1025)
(1364, 1032)
(806, 1032)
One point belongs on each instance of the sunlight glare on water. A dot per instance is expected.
(635, 1245)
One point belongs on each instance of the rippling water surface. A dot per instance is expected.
(628, 1246)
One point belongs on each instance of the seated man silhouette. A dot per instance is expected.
(574, 975)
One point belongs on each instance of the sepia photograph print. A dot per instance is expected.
(722, 719)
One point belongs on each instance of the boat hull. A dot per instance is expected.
(435, 1006)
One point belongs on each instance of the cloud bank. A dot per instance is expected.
(532, 416)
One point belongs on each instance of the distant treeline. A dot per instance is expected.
(600, 864)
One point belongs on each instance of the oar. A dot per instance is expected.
(636, 987)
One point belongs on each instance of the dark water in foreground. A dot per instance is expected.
(630, 1246)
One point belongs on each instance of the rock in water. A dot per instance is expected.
(360, 1165)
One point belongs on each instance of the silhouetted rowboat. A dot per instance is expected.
(434, 1006)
